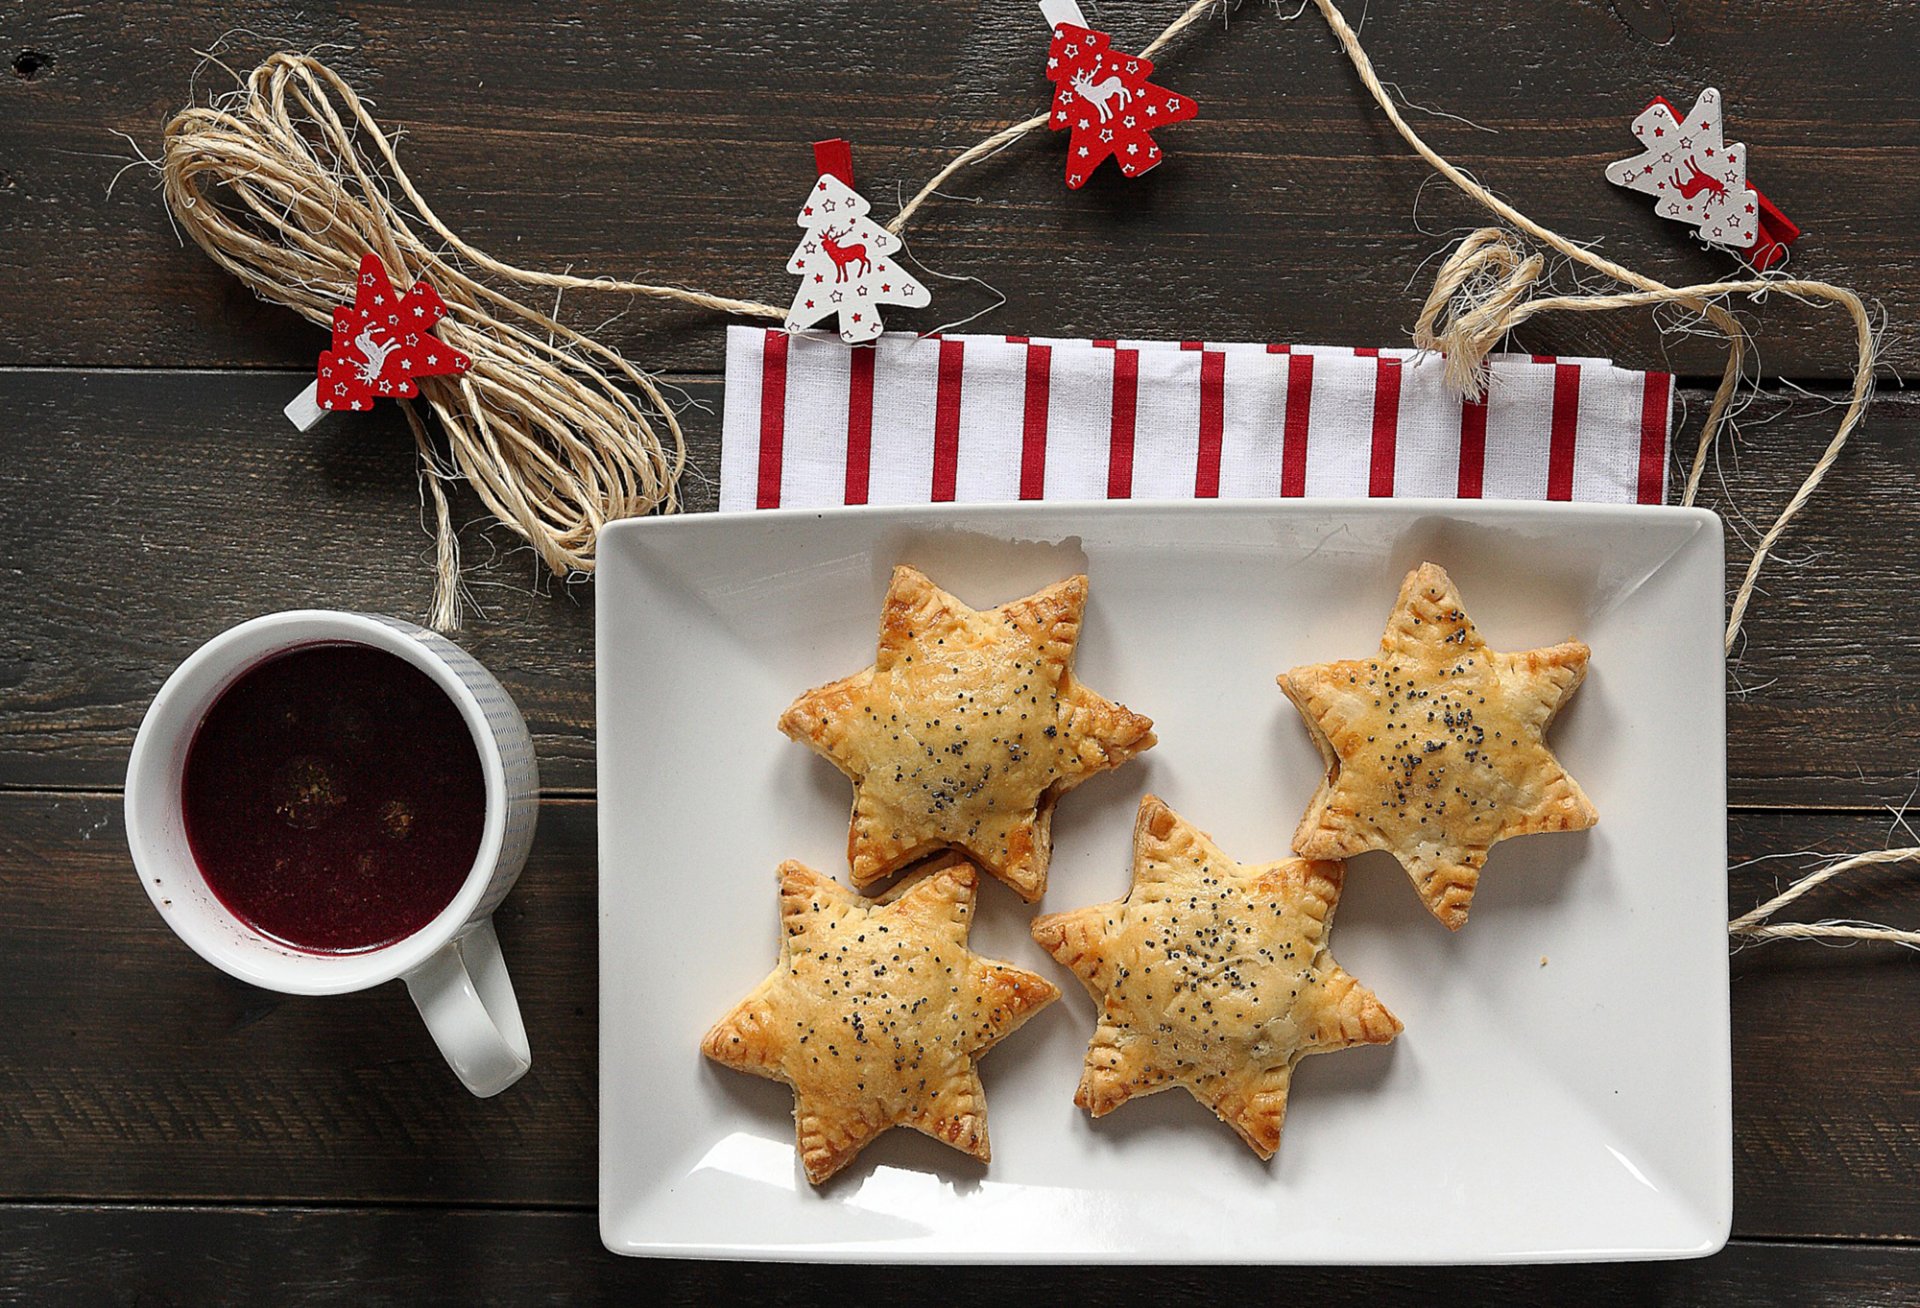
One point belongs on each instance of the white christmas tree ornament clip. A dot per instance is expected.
(847, 263)
(1696, 177)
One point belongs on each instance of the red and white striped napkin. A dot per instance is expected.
(810, 423)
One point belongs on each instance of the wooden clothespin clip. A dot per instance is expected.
(380, 345)
(847, 263)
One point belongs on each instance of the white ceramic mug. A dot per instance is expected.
(452, 966)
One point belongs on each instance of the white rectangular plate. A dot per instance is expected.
(1562, 1088)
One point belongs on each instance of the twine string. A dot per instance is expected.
(1755, 926)
(1484, 291)
(1475, 332)
(555, 447)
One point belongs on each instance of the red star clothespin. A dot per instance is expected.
(379, 346)
(1103, 98)
(1697, 177)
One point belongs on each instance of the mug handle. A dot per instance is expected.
(466, 997)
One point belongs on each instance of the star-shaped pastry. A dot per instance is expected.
(966, 730)
(1212, 975)
(1435, 747)
(877, 1012)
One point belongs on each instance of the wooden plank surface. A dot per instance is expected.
(373, 1257)
(135, 1072)
(151, 494)
(672, 147)
(142, 512)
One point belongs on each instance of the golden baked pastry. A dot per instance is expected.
(1213, 976)
(1435, 747)
(876, 1013)
(966, 730)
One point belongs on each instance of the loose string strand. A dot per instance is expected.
(1756, 927)
(1703, 299)
(1484, 291)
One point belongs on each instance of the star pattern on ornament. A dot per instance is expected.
(1107, 85)
(965, 730)
(1436, 746)
(1214, 976)
(877, 1014)
(843, 265)
(369, 357)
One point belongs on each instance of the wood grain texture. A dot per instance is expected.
(370, 1257)
(670, 144)
(140, 513)
(136, 1072)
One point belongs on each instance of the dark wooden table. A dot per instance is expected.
(170, 1135)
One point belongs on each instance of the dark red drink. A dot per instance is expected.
(334, 798)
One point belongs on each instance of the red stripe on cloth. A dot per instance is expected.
(1653, 436)
(1213, 422)
(1366, 352)
(1293, 447)
(1017, 340)
(1566, 423)
(1126, 386)
(1386, 427)
(1193, 345)
(1274, 347)
(946, 420)
(859, 423)
(1545, 358)
(1106, 345)
(1473, 449)
(1033, 424)
(773, 417)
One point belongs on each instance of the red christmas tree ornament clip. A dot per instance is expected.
(1103, 98)
(379, 346)
(1697, 177)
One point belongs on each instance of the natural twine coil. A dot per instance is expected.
(556, 448)
(277, 182)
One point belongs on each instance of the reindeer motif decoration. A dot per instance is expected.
(1691, 186)
(842, 255)
(373, 355)
(1098, 94)
(847, 263)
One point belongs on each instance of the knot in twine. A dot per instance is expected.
(1475, 301)
(288, 181)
